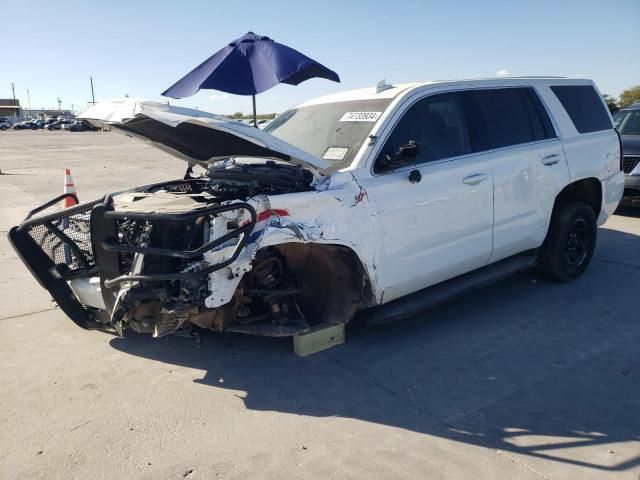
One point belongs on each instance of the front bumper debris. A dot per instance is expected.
(81, 243)
(57, 248)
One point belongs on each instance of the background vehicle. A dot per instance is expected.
(379, 201)
(627, 121)
(5, 123)
(77, 126)
(26, 125)
(57, 125)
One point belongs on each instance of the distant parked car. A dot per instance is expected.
(26, 125)
(5, 123)
(627, 121)
(57, 125)
(78, 126)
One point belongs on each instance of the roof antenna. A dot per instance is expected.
(382, 86)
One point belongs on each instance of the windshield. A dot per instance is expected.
(331, 131)
(627, 122)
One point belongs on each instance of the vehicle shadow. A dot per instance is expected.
(536, 368)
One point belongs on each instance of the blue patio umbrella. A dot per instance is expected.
(248, 66)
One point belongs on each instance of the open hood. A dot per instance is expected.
(196, 136)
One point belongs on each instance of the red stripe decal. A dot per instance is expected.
(278, 212)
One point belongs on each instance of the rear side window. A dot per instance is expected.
(507, 116)
(540, 121)
(584, 106)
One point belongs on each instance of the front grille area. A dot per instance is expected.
(77, 228)
(629, 163)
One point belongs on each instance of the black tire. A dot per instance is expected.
(570, 242)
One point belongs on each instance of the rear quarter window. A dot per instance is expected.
(584, 106)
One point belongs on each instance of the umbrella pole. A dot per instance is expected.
(255, 122)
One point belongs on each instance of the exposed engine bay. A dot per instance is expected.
(263, 302)
(185, 253)
(265, 293)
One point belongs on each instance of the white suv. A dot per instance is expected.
(377, 202)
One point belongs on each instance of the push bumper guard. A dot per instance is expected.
(56, 247)
(81, 241)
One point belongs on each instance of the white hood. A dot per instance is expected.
(194, 135)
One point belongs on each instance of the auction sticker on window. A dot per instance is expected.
(360, 116)
(335, 153)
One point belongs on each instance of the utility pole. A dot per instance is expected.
(59, 104)
(13, 89)
(93, 97)
(29, 101)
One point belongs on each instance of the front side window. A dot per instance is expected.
(433, 128)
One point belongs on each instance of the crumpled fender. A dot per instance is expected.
(334, 216)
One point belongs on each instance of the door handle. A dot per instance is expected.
(474, 179)
(551, 159)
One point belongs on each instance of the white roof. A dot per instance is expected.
(395, 90)
(361, 94)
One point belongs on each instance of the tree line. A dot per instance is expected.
(626, 98)
(260, 116)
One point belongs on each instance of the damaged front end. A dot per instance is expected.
(171, 256)
(208, 251)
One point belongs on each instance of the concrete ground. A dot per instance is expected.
(526, 379)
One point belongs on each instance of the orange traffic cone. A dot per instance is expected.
(69, 187)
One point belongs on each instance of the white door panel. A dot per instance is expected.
(527, 179)
(432, 230)
(593, 155)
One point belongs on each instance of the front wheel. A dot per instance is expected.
(570, 242)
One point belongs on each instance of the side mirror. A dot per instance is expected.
(410, 150)
(405, 154)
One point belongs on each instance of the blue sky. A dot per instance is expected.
(142, 47)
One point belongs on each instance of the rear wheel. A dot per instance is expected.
(570, 243)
